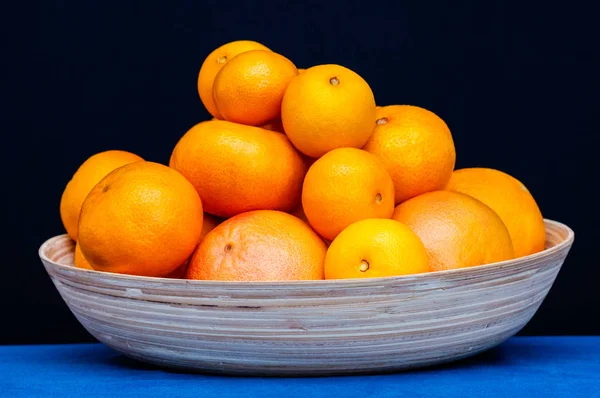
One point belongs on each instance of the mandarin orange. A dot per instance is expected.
(344, 186)
(250, 87)
(416, 147)
(85, 178)
(327, 107)
(213, 64)
(141, 219)
(237, 168)
(375, 248)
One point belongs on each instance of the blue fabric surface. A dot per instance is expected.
(523, 366)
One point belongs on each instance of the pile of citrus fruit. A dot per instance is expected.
(299, 176)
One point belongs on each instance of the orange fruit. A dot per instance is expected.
(250, 87)
(344, 186)
(374, 248)
(328, 107)
(510, 199)
(213, 64)
(142, 219)
(416, 147)
(237, 168)
(87, 175)
(79, 260)
(261, 245)
(457, 230)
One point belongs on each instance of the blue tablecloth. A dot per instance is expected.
(523, 366)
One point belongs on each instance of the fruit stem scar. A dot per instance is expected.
(105, 188)
(228, 248)
(364, 266)
(378, 198)
(383, 120)
(334, 81)
(222, 60)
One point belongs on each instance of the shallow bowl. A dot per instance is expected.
(308, 327)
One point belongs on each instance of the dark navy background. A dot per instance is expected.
(517, 82)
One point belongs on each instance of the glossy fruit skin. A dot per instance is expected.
(85, 178)
(141, 219)
(262, 245)
(374, 248)
(457, 230)
(249, 88)
(237, 168)
(328, 107)
(213, 64)
(416, 147)
(344, 186)
(510, 199)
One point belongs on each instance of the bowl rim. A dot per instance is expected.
(568, 241)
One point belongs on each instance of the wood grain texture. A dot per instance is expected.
(308, 327)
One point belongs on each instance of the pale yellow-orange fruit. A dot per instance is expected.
(374, 248)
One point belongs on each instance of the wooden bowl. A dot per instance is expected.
(308, 327)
